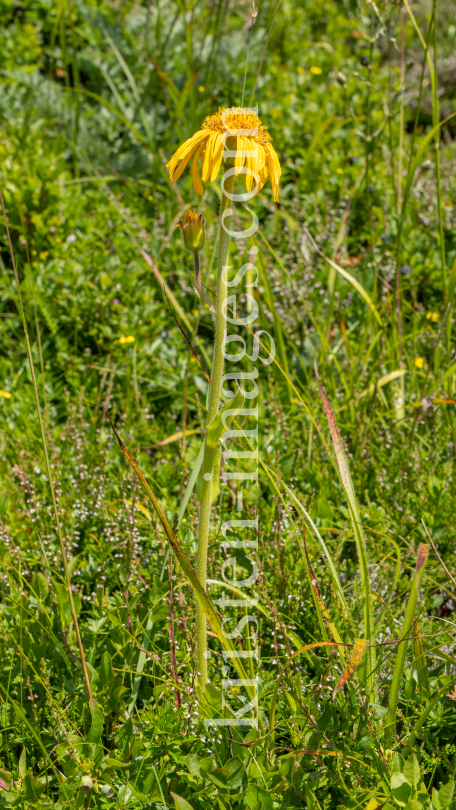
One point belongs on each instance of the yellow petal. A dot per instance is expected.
(217, 156)
(275, 161)
(171, 165)
(272, 162)
(239, 160)
(180, 169)
(196, 181)
(251, 163)
(207, 164)
(188, 147)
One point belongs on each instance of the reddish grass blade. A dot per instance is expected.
(358, 651)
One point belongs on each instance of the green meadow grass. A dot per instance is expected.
(356, 491)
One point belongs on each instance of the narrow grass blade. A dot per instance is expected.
(405, 635)
(191, 484)
(360, 540)
(358, 652)
(420, 661)
(348, 277)
(201, 596)
(324, 610)
(419, 159)
(140, 665)
(432, 703)
(175, 436)
(189, 344)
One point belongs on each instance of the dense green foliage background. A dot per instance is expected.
(95, 98)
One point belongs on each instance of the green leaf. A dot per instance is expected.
(405, 634)
(73, 564)
(181, 804)
(33, 788)
(435, 799)
(69, 786)
(411, 771)
(255, 794)
(40, 586)
(23, 763)
(401, 789)
(6, 778)
(124, 737)
(237, 770)
(96, 728)
(446, 795)
(105, 673)
(292, 702)
(199, 767)
(221, 777)
(62, 594)
(223, 419)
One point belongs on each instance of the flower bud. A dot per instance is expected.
(193, 231)
(342, 79)
(86, 784)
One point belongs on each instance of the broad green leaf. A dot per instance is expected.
(6, 778)
(435, 799)
(22, 765)
(62, 594)
(33, 788)
(446, 795)
(255, 794)
(411, 770)
(105, 673)
(221, 777)
(181, 804)
(40, 586)
(73, 564)
(401, 789)
(124, 737)
(236, 767)
(96, 728)
(292, 702)
(193, 764)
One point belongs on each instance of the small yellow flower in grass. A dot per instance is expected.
(44, 254)
(201, 89)
(419, 362)
(127, 339)
(300, 69)
(339, 171)
(5, 394)
(432, 316)
(192, 230)
(316, 70)
(253, 147)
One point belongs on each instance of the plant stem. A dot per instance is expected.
(48, 465)
(208, 460)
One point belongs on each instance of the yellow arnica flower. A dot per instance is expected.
(419, 362)
(432, 316)
(127, 339)
(5, 394)
(253, 147)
